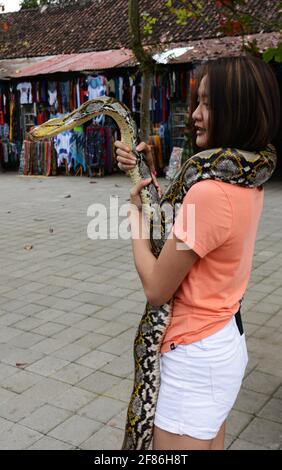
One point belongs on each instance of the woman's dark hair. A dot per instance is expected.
(244, 102)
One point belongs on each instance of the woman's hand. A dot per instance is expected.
(127, 160)
(135, 198)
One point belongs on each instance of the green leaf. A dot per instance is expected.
(268, 54)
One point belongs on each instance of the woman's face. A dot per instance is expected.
(201, 115)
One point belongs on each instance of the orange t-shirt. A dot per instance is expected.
(226, 221)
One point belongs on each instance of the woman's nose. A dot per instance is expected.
(196, 115)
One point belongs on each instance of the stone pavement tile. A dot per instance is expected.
(130, 319)
(25, 340)
(122, 366)
(263, 432)
(18, 437)
(237, 421)
(279, 290)
(98, 382)
(67, 293)
(277, 299)
(91, 340)
(47, 365)
(270, 365)
(278, 393)
(59, 281)
(272, 410)
(97, 299)
(268, 334)
(111, 329)
(71, 352)
(102, 409)
(107, 314)
(49, 328)
(250, 328)
(70, 319)
(50, 290)
(31, 308)
(95, 359)
(28, 323)
(75, 430)
(258, 318)
(47, 390)
(88, 309)
(12, 305)
(15, 355)
(94, 288)
(249, 401)
(119, 420)
(45, 418)
(5, 395)
(67, 305)
(121, 343)
(7, 333)
(261, 382)
(6, 371)
(122, 292)
(49, 346)
(92, 324)
(274, 322)
(19, 407)
(138, 295)
(72, 373)
(107, 438)
(5, 425)
(121, 391)
(254, 295)
(128, 306)
(228, 441)
(20, 382)
(73, 399)
(7, 319)
(49, 301)
(49, 314)
(70, 334)
(49, 443)
(241, 444)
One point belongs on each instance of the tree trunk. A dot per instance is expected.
(145, 121)
(146, 66)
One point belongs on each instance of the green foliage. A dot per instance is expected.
(149, 22)
(273, 54)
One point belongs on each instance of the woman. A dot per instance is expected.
(204, 355)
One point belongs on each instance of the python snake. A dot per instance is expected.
(247, 169)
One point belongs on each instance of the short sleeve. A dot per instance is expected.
(204, 220)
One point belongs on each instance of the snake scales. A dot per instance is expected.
(248, 169)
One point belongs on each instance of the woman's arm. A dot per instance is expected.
(160, 277)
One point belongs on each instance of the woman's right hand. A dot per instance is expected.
(127, 160)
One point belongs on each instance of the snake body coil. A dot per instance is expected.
(247, 169)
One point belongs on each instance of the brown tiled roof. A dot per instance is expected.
(102, 24)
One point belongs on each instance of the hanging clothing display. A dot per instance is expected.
(38, 158)
(91, 146)
(25, 92)
(9, 155)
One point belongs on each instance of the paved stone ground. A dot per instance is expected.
(69, 311)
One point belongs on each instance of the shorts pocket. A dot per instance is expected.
(227, 376)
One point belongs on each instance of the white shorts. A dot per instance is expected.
(200, 383)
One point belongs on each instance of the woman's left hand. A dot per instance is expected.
(135, 198)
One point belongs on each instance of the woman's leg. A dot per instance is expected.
(218, 441)
(164, 440)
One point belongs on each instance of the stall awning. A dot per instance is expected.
(65, 63)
